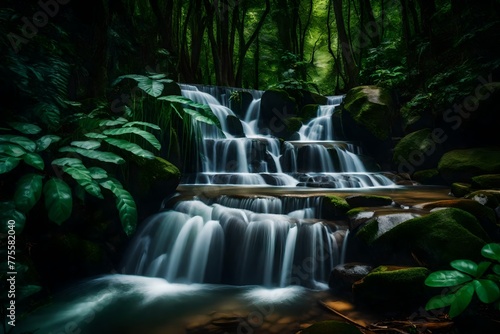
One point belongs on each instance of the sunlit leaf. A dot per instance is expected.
(491, 251)
(97, 155)
(113, 122)
(24, 142)
(12, 150)
(34, 160)
(94, 135)
(150, 86)
(98, 173)
(87, 144)
(151, 125)
(67, 162)
(124, 203)
(28, 192)
(446, 278)
(83, 177)
(130, 147)
(58, 200)
(486, 290)
(462, 299)
(466, 266)
(144, 134)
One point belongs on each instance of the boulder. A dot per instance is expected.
(334, 207)
(489, 198)
(459, 189)
(418, 150)
(367, 112)
(435, 239)
(343, 276)
(368, 200)
(234, 126)
(488, 181)
(378, 225)
(239, 102)
(276, 106)
(462, 165)
(392, 287)
(428, 176)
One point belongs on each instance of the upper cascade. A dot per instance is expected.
(246, 153)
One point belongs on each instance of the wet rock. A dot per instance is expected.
(392, 287)
(234, 126)
(358, 217)
(334, 207)
(368, 200)
(343, 276)
(276, 106)
(459, 189)
(488, 181)
(462, 165)
(377, 226)
(489, 198)
(429, 176)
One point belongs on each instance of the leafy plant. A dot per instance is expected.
(468, 278)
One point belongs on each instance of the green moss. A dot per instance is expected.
(338, 202)
(392, 287)
(334, 207)
(368, 200)
(355, 211)
(331, 326)
(463, 165)
(489, 198)
(428, 176)
(415, 141)
(459, 189)
(439, 238)
(371, 106)
(488, 181)
(309, 111)
(293, 124)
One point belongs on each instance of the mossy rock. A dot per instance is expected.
(438, 238)
(485, 215)
(459, 189)
(489, 198)
(334, 207)
(428, 176)
(378, 225)
(234, 126)
(392, 287)
(368, 200)
(488, 181)
(462, 165)
(304, 97)
(331, 326)
(308, 111)
(293, 124)
(372, 108)
(276, 106)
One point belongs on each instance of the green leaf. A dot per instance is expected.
(24, 142)
(440, 301)
(114, 122)
(94, 135)
(98, 173)
(97, 155)
(446, 278)
(67, 162)
(124, 203)
(486, 290)
(462, 299)
(27, 291)
(466, 266)
(7, 164)
(151, 125)
(157, 76)
(150, 86)
(482, 267)
(44, 142)
(34, 160)
(8, 212)
(131, 147)
(12, 150)
(496, 269)
(58, 200)
(199, 112)
(491, 251)
(49, 114)
(144, 134)
(83, 177)
(28, 192)
(26, 128)
(87, 144)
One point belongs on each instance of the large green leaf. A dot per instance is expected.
(8, 212)
(97, 155)
(67, 162)
(465, 266)
(87, 144)
(144, 134)
(131, 147)
(58, 200)
(124, 203)
(496, 269)
(24, 142)
(83, 177)
(113, 122)
(12, 150)
(98, 173)
(28, 192)
(150, 125)
(34, 160)
(26, 128)
(491, 251)
(482, 267)
(44, 142)
(439, 301)
(7, 164)
(462, 299)
(446, 278)
(94, 135)
(486, 290)
(150, 86)
(199, 112)
(48, 113)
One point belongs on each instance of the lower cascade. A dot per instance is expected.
(275, 245)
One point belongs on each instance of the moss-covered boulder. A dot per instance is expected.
(308, 111)
(293, 125)
(428, 176)
(368, 200)
(392, 287)
(462, 165)
(304, 97)
(276, 106)
(331, 326)
(434, 239)
(334, 207)
(460, 189)
(378, 225)
(488, 181)
(489, 198)
(367, 113)
(234, 126)
(150, 181)
(343, 276)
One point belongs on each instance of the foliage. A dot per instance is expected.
(468, 277)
